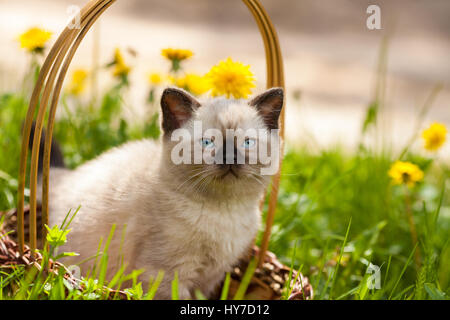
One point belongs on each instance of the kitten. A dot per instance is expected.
(193, 219)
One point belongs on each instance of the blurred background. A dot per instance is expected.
(330, 56)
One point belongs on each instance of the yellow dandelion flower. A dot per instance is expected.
(78, 83)
(176, 54)
(120, 67)
(34, 39)
(230, 78)
(194, 83)
(155, 78)
(434, 137)
(118, 57)
(121, 70)
(405, 173)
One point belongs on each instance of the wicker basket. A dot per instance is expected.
(270, 274)
(267, 282)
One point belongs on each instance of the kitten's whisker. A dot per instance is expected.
(200, 177)
(193, 176)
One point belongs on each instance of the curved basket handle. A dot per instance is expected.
(55, 68)
(275, 78)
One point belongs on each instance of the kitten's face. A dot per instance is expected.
(221, 146)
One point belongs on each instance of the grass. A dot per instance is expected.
(321, 193)
(338, 212)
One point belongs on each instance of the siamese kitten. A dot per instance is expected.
(194, 219)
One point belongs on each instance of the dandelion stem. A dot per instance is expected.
(412, 227)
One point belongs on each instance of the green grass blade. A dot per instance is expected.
(199, 295)
(403, 271)
(387, 271)
(155, 285)
(240, 293)
(226, 287)
(104, 259)
(340, 258)
(175, 289)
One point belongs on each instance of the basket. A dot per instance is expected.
(45, 98)
(267, 283)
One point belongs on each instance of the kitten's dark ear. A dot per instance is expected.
(177, 107)
(269, 105)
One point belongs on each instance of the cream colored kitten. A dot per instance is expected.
(196, 219)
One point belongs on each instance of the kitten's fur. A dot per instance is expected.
(198, 226)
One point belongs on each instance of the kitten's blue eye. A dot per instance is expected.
(207, 143)
(248, 143)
